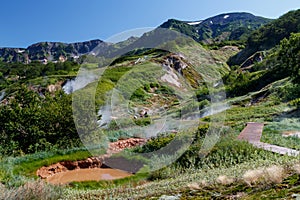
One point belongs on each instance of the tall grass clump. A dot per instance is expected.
(33, 190)
(266, 176)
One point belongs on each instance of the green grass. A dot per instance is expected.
(228, 157)
(180, 181)
(226, 153)
(285, 190)
(125, 79)
(29, 167)
(237, 116)
(272, 133)
(90, 66)
(14, 169)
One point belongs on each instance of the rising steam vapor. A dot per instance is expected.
(105, 116)
(140, 119)
(2, 96)
(82, 80)
(214, 109)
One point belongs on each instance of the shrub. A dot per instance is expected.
(143, 121)
(155, 144)
(295, 102)
(202, 130)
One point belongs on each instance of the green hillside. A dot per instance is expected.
(269, 36)
(190, 96)
(224, 27)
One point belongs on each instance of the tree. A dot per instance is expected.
(289, 56)
(31, 123)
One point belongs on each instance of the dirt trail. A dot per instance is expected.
(252, 133)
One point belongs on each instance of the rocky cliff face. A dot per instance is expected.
(185, 69)
(51, 51)
(13, 54)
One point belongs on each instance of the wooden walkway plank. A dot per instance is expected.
(276, 149)
(252, 133)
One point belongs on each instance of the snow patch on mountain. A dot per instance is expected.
(194, 23)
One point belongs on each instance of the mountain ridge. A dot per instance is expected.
(49, 50)
(236, 25)
(222, 27)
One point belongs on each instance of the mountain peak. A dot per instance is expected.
(226, 26)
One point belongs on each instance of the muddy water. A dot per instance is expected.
(95, 174)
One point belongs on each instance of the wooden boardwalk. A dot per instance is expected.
(252, 133)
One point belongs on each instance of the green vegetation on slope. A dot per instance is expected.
(269, 36)
(267, 91)
(282, 62)
(17, 72)
(224, 27)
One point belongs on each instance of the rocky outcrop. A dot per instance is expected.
(255, 58)
(178, 63)
(55, 87)
(93, 162)
(120, 145)
(46, 172)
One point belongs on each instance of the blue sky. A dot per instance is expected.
(24, 22)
